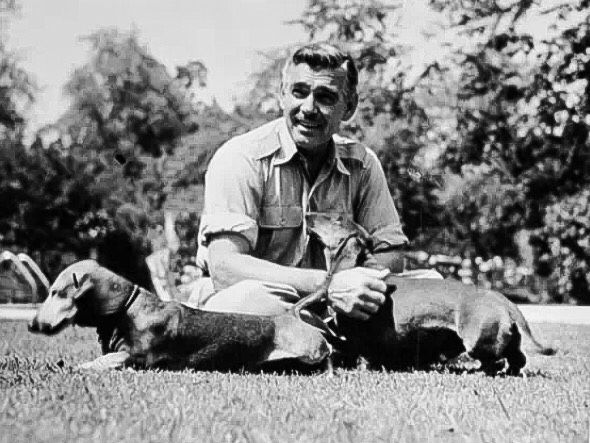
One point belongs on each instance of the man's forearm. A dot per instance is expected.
(235, 267)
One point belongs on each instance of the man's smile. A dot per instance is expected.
(307, 124)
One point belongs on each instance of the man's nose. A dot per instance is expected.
(308, 106)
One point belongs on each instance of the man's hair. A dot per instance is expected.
(325, 56)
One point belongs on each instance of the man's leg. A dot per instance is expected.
(247, 297)
(259, 297)
(421, 273)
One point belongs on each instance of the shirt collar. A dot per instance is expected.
(287, 148)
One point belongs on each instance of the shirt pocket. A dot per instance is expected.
(279, 233)
(281, 217)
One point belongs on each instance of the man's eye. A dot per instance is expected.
(299, 93)
(327, 99)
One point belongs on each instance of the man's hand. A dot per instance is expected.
(358, 292)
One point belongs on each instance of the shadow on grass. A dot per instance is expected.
(460, 366)
(471, 370)
(17, 364)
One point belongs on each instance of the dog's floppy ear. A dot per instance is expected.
(364, 236)
(82, 286)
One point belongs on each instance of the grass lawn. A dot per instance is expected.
(42, 398)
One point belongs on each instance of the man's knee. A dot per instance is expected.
(253, 297)
(421, 273)
(247, 287)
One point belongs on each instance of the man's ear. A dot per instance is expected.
(352, 102)
(281, 95)
(82, 285)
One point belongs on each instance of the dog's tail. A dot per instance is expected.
(526, 330)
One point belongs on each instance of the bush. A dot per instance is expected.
(563, 248)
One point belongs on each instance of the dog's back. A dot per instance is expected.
(213, 340)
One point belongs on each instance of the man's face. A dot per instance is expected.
(314, 103)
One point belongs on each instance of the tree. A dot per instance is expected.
(17, 89)
(563, 248)
(523, 99)
(521, 116)
(43, 192)
(127, 99)
(127, 116)
(130, 113)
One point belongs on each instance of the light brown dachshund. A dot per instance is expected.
(136, 328)
(424, 321)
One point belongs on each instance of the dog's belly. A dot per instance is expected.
(425, 330)
(203, 340)
(432, 317)
(421, 346)
(425, 314)
(427, 321)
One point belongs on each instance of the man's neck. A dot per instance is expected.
(313, 160)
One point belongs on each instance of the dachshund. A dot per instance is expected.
(423, 321)
(136, 328)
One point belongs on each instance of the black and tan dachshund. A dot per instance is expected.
(423, 321)
(136, 328)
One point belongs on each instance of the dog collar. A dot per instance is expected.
(132, 297)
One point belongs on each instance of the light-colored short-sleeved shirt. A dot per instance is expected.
(256, 186)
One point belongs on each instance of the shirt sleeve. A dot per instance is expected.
(376, 211)
(232, 195)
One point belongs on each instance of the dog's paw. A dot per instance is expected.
(115, 360)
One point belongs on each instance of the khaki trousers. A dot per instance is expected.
(260, 297)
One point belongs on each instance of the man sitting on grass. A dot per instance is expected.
(260, 185)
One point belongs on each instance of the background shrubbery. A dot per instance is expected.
(484, 145)
(564, 248)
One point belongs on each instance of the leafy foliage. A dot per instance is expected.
(130, 114)
(507, 110)
(564, 247)
(215, 127)
(522, 114)
(17, 88)
(530, 122)
(42, 193)
(482, 208)
(125, 99)
(33, 192)
(109, 151)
